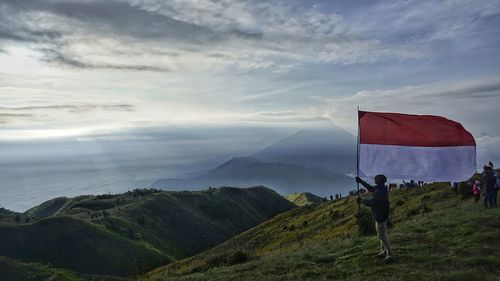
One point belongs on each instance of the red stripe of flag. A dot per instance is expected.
(411, 130)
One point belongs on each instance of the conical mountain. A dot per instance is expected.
(327, 147)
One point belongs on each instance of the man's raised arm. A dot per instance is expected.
(365, 184)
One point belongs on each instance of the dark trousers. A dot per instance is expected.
(488, 198)
(495, 193)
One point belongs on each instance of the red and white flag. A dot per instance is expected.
(418, 147)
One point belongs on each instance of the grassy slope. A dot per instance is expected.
(303, 198)
(194, 222)
(436, 235)
(48, 208)
(77, 245)
(12, 270)
(134, 232)
(15, 270)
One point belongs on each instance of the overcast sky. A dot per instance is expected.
(76, 67)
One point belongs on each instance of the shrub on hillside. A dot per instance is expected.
(103, 196)
(425, 198)
(365, 221)
(400, 203)
(237, 258)
(138, 192)
(465, 190)
(214, 261)
(141, 220)
(419, 209)
(94, 205)
(231, 258)
(336, 214)
(425, 209)
(412, 212)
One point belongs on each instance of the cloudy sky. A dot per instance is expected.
(72, 68)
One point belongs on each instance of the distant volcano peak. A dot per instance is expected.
(329, 147)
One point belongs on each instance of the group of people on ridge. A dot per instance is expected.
(491, 184)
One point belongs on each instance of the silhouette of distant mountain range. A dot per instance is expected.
(314, 160)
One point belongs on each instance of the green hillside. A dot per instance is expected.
(15, 270)
(127, 234)
(12, 270)
(77, 245)
(303, 198)
(436, 234)
(48, 208)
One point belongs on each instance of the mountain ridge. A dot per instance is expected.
(133, 232)
(283, 177)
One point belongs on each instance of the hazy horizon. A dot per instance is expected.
(35, 171)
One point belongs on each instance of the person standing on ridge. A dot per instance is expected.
(497, 189)
(476, 191)
(489, 187)
(379, 202)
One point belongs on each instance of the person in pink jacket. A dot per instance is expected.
(476, 190)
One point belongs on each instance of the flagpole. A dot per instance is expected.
(357, 160)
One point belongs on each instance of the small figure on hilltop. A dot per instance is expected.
(489, 187)
(476, 191)
(454, 187)
(379, 202)
(497, 188)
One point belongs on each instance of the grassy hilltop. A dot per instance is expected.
(437, 235)
(127, 234)
(303, 198)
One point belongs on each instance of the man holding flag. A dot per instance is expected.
(403, 146)
(379, 202)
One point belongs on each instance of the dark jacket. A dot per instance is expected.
(489, 182)
(379, 202)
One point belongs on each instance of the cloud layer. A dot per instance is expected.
(153, 35)
(82, 65)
